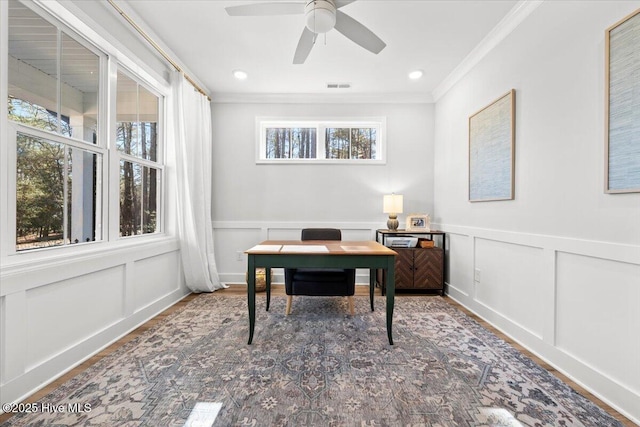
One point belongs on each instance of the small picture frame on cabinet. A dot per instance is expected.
(418, 222)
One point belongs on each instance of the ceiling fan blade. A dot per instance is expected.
(304, 46)
(358, 33)
(267, 9)
(340, 3)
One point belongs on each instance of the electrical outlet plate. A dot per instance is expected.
(476, 275)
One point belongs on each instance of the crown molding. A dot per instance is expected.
(320, 98)
(509, 23)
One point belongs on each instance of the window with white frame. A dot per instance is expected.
(53, 92)
(60, 162)
(137, 114)
(322, 141)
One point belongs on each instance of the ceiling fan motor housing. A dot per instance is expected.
(320, 15)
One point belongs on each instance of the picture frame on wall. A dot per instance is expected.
(622, 106)
(492, 150)
(418, 222)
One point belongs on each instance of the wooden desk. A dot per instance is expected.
(317, 254)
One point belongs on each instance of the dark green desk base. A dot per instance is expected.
(269, 261)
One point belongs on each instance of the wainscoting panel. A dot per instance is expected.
(284, 233)
(598, 315)
(460, 262)
(56, 321)
(507, 278)
(154, 278)
(230, 244)
(358, 234)
(575, 303)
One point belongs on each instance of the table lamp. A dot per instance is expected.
(392, 204)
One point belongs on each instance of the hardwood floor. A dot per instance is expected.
(278, 290)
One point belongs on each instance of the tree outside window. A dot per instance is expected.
(137, 141)
(321, 141)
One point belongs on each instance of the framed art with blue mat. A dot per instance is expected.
(622, 160)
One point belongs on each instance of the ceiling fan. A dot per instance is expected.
(320, 16)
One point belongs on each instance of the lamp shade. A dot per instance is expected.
(392, 203)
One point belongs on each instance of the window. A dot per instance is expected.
(290, 143)
(53, 92)
(351, 143)
(56, 192)
(137, 141)
(321, 141)
(68, 183)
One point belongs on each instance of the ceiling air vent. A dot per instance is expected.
(338, 85)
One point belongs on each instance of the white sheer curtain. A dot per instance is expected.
(191, 119)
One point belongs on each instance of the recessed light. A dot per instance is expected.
(415, 75)
(240, 75)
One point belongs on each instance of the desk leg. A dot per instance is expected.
(372, 285)
(444, 259)
(268, 282)
(391, 293)
(251, 295)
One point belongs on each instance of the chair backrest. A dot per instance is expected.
(321, 234)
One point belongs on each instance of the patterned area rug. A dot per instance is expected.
(318, 367)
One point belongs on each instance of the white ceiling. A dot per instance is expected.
(434, 36)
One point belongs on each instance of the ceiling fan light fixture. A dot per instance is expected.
(320, 15)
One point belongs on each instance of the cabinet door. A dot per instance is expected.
(404, 268)
(427, 268)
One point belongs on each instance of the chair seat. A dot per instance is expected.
(320, 275)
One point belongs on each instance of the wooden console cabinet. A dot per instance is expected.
(417, 269)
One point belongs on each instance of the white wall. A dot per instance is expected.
(559, 266)
(254, 202)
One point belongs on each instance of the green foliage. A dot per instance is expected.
(39, 187)
(350, 143)
(40, 174)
